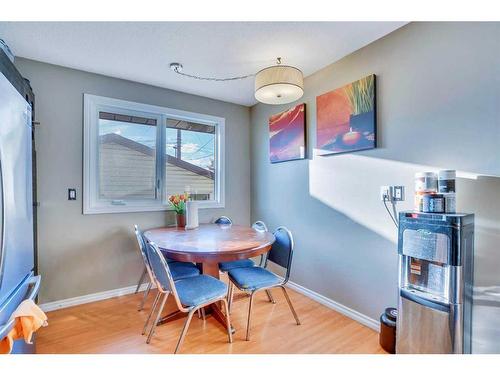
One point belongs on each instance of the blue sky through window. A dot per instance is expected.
(197, 148)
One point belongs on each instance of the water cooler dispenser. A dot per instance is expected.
(435, 283)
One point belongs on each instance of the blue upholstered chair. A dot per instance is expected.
(190, 294)
(260, 226)
(223, 220)
(254, 279)
(145, 271)
(226, 266)
(179, 270)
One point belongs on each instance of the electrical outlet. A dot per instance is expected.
(392, 193)
(385, 193)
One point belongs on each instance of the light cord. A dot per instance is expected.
(177, 68)
(212, 78)
(396, 218)
(390, 214)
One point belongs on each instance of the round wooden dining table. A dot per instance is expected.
(208, 245)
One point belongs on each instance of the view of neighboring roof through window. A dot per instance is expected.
(128, 158)
(188, 141)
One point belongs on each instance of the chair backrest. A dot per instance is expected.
(159, 267)
(281, 251)
(142, 243)
(142, 246)
(140, 239)
(223, 220)
(161, 272)
(260, 226)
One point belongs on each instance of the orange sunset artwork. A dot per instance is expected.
(287, 139)
(346, 118)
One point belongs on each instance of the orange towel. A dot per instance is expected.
(29, 318)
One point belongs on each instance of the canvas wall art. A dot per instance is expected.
(346, 118)
(287, 135)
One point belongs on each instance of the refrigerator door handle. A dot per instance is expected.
(35, 282)
(2, 239)
(2, 223)
(33, 289)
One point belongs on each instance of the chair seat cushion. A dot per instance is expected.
(181, 270)
(197, 290)
(227, 266)
(252, 278)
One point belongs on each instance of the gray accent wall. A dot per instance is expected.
(438, 106)
(83, 254)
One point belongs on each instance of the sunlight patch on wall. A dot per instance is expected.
(350, 184)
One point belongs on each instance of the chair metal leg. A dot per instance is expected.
(261, 261)
(230, 296)
(146, 292)
(184, 331)
(153, 327)
(228, 288)
(249, 316)
(291, 306)
(153, 308)
(228, 321)
(270, 296)
(201, 314)
(141, 279)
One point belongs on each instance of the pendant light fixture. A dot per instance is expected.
(277, 84)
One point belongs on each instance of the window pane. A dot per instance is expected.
(127, 157)
(190, 161)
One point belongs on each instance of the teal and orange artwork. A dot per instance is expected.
(346, 118)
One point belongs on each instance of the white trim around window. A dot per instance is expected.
(93, 104)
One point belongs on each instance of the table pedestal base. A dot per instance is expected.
(212, 269)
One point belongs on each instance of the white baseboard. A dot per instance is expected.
(353, 314)
(61, 304)
(344, 310)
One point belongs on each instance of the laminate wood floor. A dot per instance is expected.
(114, 326)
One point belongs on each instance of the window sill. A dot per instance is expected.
(126, 209)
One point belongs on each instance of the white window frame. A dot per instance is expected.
(93, 104)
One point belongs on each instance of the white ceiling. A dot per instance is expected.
(142, 51)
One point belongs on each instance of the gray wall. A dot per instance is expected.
(82, 254)
(438, 107)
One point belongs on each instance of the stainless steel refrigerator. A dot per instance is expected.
(17, 280)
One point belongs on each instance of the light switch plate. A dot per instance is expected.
(398, 193)
(72, 194)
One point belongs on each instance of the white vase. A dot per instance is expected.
(192, 215)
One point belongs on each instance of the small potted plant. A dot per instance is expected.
(178, 202)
